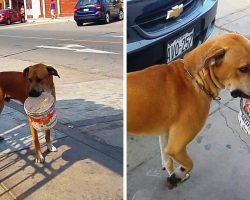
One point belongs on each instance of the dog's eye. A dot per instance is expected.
(244, 69)
(38, 80)
(30, 80)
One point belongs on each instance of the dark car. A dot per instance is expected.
(8, 16)
(159, 31)
(96, 10)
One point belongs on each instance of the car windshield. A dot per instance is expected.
(86, 2)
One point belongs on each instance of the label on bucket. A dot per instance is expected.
(41, 111)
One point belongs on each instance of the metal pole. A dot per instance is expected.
(58, 8)
(44, 11)
(25, 9)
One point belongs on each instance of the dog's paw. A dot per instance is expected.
(174, 180)
(51, 148)
(39, 159)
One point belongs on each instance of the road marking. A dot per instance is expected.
(117, 36)
(77, 48)
(60, 39)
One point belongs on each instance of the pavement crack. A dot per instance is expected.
(224, 29)
(234, 131)
(13, 54)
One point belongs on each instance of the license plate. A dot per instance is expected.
(85, 10)
(180, 45)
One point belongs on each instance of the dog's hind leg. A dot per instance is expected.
(167, 161)
(50, 146)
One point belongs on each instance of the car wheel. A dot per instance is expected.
(120, 16)
(8, 22)
(107, 18)
(22, 20)
(79, 23)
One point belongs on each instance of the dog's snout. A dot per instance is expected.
(239, 93)
(34, 93)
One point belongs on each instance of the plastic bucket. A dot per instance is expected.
(244, 115)
(41, 111)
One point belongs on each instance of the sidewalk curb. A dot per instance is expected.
(42, 20)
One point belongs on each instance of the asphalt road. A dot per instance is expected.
(93, 48)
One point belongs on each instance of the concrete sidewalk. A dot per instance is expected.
(221, 151)
(89, 138)
(58, 19)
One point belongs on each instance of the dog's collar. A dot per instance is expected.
(202, 87)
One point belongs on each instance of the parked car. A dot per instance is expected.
(96, 10)
(8, 16)
(159, 31)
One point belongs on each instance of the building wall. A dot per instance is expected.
(47, 8)
(67, 7)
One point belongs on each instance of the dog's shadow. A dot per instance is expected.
(85, 143)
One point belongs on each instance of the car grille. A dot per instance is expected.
(157, 20)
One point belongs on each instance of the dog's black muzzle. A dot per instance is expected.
(34, 93)
(239, 93)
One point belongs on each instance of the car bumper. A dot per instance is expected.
(3, 20)
(89, 18)
(150, 51)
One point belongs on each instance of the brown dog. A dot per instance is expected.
(174, 99)
(32, 82)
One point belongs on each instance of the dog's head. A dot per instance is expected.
(226, 59)
(40, 78)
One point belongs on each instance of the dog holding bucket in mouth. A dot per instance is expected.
(173, 100)
(34, 80)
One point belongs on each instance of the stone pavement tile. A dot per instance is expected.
(217, 31)
(141, 149)
(106, 92)
(113, 137)
(240, 26)
(101, 126)
(227, 7)
(234, 104)
(110, 133)
(225, 98)
(75, 171)
(221, 165)
(231, 18)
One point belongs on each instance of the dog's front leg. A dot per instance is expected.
(50, 146)
(176, 149)
(38, 154)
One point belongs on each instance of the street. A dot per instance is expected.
(89, 133)
(220, 152)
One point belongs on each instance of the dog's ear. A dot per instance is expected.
(52, 71)
(26, 71)
(215, 57)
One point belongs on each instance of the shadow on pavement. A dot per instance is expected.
(87, 164)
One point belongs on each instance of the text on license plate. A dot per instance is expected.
(180, 45)
(85, 10)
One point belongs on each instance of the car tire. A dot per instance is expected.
(79, 23)
(107, 18)
(8, 22)
(22, 20)
(121, 14)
